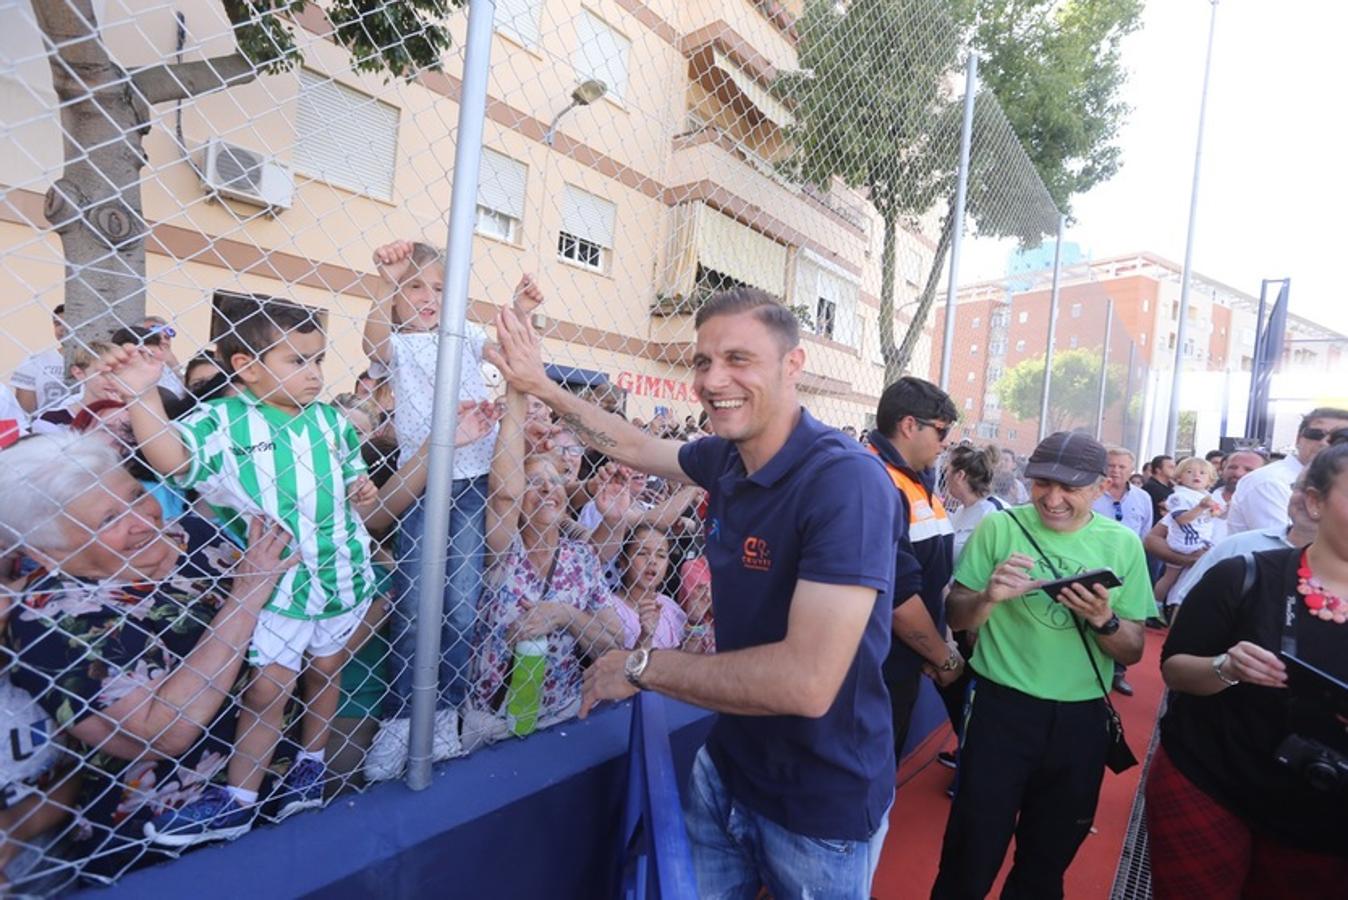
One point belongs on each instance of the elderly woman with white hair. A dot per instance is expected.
(129, 634)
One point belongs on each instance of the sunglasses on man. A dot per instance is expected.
(942, 431)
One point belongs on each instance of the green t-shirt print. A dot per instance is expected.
(1030, 643)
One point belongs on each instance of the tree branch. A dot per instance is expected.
(178, 81)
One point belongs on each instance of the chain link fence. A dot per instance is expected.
(221, 236)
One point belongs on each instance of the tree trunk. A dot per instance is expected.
(95, 206)
(887, 272)
(899, 363)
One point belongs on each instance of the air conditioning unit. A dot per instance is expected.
(241, 174)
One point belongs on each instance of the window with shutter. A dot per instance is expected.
(601, 52)
(500, 196)
(344, 137)
(586, 238)
(518, 20)
(831, 296)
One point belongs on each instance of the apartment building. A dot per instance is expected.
(1133, 300)
(628, 210)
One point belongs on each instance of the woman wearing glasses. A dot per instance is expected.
(1233, 808)
(543, 589)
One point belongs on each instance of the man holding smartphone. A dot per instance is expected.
(1036, 738)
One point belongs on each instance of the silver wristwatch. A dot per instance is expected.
(636, 664)
(1217, 663)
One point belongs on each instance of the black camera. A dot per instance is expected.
(1319, 766)
(1316, 747)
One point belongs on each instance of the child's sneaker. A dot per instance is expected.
(214, 816)
(300, 789)
(387, 756)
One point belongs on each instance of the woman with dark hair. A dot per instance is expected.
(968, 478)
(649, 617)
(1232, 808)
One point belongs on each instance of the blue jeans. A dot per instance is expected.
(735, 850)
(463, 587)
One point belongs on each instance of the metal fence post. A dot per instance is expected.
(961, 194)
(1186, 277)
(448, 365)
(1052, 326)
(1104, 369)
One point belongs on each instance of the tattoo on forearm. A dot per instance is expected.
(918, 640)
(598, 439)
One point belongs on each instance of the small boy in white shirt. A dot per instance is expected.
(1192, 514)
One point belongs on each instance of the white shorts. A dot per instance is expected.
(284, 640)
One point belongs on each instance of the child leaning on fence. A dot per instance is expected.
(401, 339)
(271, 451)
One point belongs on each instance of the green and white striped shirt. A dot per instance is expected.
(248, 458)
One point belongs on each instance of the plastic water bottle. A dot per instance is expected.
(525, 691)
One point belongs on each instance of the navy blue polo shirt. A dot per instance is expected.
(822, 509)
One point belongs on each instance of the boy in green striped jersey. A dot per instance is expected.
(271, 451)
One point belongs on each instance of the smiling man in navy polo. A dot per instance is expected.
(793, 787)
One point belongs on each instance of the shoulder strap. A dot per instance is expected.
(1081, 627)
(1247, 579)
(997, 502)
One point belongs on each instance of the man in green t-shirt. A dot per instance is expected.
(1036, 735)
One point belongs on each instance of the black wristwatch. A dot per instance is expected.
(1109, 627)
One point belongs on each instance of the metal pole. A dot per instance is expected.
(448, 365)
(1104, 369)
(1052, 326)
(1172, 423)
(961, 194)
(1254, 360)
(1127, 394)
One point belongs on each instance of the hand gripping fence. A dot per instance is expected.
(275, 529)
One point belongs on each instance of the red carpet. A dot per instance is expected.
(913, 846)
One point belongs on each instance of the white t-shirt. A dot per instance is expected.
(44, 374)
(412, 365)
(966, 519)
(1260, 501)
(1198, 534)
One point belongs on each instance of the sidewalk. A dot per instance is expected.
(913, 846)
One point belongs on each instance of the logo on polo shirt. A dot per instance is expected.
(756, 555)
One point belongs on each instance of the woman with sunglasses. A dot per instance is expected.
(1230, 812)
(542, 589)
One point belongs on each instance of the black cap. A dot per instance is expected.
(1075, 460)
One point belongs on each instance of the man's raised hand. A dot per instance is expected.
(518, 355)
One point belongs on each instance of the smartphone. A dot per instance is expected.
(1088, 580)
(1311, 683)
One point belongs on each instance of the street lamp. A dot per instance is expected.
(588, 91)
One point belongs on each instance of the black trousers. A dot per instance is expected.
(1029, 768)
(902, 698)
(953, 694)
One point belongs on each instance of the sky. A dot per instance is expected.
(1271, 184)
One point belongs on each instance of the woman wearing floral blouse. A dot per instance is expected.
(540, 585)
(131, 635)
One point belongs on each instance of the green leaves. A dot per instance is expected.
(1074, 393)
(400, 37)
